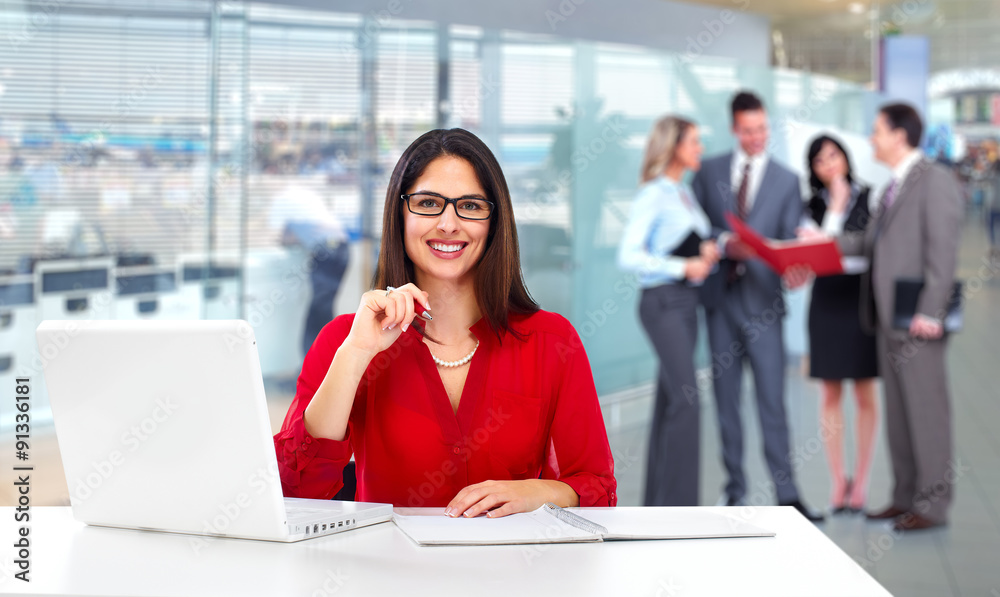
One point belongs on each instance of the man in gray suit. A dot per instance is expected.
(744, 299)
(914, 234)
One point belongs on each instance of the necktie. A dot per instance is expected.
(887, 198)
(890, 195)
(741, 194)
(736, 269)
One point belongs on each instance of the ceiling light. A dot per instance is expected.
(855, 8)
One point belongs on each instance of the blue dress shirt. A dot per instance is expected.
(663, 215)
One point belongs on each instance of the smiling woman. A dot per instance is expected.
(487, 405)
(429, 223)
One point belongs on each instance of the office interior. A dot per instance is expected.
(149, 148)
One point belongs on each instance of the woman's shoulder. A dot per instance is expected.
(660, 193)
(544, 323)
(661, 185)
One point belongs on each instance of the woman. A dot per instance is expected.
(663, 243)
(489, 406)
(839, 348)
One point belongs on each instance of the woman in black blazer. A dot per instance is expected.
(839, 348)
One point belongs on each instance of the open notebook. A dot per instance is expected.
(551, 524)
(822, 255)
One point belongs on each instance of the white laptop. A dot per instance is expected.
(163, 426)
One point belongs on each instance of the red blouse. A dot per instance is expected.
(529, 410)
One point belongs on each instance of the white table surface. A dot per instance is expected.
(70, 558)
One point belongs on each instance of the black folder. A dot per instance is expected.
(907, 296)
(689, 247)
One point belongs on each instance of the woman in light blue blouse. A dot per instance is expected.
(666, 245)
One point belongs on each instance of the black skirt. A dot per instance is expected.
(838, 346)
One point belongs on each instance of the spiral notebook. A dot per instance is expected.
(552, 524)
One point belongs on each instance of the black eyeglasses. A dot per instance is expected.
(432, 204)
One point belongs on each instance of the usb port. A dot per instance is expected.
(307, 529)
(340, 524)
(315, 528)
(324, 527)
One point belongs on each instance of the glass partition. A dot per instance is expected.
(172, 142)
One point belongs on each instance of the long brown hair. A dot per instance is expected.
(663, 140)
(499, 284)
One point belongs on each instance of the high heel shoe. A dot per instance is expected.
(843, 507)
(850, 505)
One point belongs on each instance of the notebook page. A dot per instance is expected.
(669, 523)
(432, 527)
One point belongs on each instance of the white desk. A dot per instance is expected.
(69, 558)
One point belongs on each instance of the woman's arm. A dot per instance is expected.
(651, 208)
(381, 318)
(312, 465)
(328, 412)
(314, 442)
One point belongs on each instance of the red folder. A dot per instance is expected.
(821, 255)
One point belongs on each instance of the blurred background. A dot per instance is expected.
(155, 154)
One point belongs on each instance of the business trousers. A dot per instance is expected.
(918, 423)
(992, 221)
(669, 315)
(733, 335)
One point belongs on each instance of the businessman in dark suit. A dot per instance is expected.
(914, 234)
(744, 299)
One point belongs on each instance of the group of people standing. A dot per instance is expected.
(487, 405)
(679, 244)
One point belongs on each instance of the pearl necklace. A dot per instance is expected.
(457, 363)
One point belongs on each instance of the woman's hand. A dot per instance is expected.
(840, 194)
(739, 250)
(809, 233)
(697, 269)
(500, 498)
(382, 318)
(378, 323)
(710, 251)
